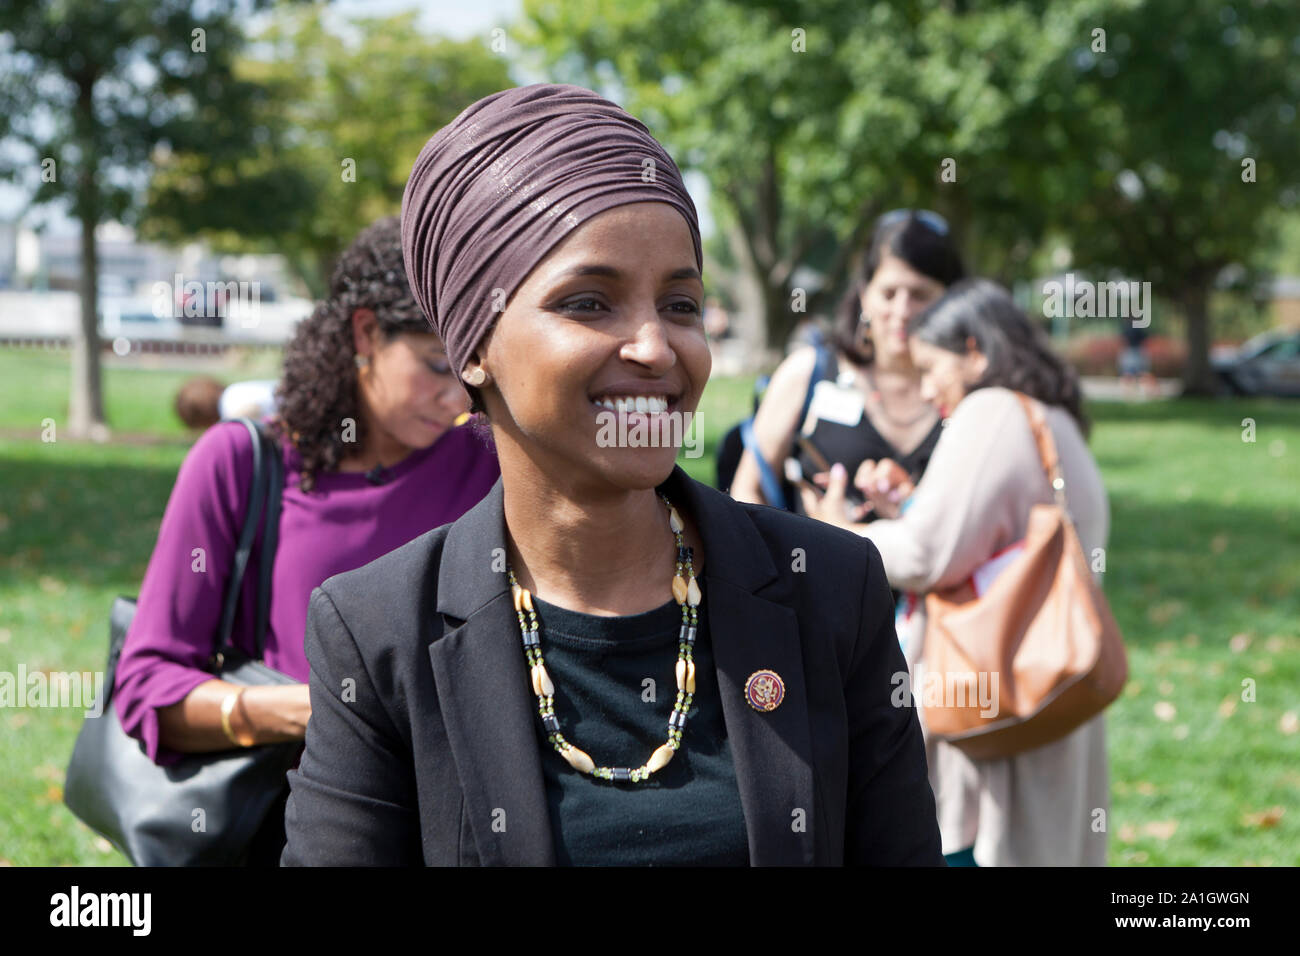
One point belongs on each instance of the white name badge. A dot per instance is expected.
(843, 406)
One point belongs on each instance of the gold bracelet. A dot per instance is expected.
(227, 707)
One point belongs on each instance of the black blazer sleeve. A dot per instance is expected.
(352, 800)
(890, 819)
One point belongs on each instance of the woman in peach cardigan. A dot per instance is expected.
(975, 349)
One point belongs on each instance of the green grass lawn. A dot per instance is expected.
(1202, 569)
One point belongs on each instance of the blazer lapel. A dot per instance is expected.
(478, 667)
(771, 750)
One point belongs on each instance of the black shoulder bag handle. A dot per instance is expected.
(206, 808)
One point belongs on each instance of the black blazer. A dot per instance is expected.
(421, 746)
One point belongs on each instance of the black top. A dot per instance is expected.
(852, 445)
(689, 812)
(423, 744)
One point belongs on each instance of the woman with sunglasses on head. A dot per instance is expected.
(867, 407)
(367, 405)
(604, 662)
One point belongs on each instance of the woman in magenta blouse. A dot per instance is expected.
(372, 459)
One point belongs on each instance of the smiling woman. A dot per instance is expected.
(604, 662)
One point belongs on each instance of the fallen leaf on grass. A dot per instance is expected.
(1163, 613)
(1239, 643)
(1219, 543)
(1128, 833)
(1165, 710)
(1289, 723)
(51, 585)
(1264, 819)
(1146, 788)
(1228, 706)
(1160, 829)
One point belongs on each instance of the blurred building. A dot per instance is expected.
(146, 290)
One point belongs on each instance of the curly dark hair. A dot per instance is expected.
(318, 388)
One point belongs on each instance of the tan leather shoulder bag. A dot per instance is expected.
(1040, 645)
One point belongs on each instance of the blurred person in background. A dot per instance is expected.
(203, 401)
(868, 405)
(1134, 363)
(975, 349)
(372, 459)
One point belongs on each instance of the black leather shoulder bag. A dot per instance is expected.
(205, 809)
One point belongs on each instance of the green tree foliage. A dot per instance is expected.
(88, 91)
(1193, 148)
(810, 119)
(1116, 126)
(351, 109)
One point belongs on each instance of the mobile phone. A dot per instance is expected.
(852, 493)
(794, 474)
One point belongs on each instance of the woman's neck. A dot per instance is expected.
(381, 450)
(607, 553)
(895, 365)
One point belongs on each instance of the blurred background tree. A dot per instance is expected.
(1193, 147)
(1114, 129)
(811, 119)
(88, 91)
(352, 107)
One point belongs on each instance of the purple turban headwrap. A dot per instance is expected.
(502, 184)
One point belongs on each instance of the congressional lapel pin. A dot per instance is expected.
(764, 690)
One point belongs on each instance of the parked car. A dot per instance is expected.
(1268, 364)
(127, 319)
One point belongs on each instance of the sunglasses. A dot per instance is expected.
(931, 220)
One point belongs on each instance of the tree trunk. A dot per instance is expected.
(750, 318)
(86, 402)
(1198, 378)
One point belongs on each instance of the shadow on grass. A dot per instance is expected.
(93, 523)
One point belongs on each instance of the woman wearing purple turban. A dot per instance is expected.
(604, 662)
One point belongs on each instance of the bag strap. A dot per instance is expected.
(821, 366)
(270, 536)
(767, 479)
(771, 485)
(1047, 452)
(256, 497)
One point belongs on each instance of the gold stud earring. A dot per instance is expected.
(476, 377)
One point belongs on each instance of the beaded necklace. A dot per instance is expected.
(687, 593)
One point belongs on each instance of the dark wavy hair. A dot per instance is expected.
(917, 243)
(1019, 353)
(318, 388)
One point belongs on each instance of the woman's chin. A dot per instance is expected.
(637, 468)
